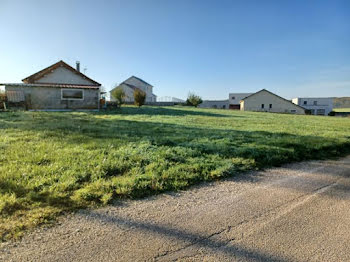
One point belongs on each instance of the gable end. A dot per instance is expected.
(39, 76)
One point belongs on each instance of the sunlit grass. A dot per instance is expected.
(55, 162)
(341, 110)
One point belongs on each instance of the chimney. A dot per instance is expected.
(78, 66)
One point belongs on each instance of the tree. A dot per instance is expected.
(119, 95)
(139, 97)
(193, 100)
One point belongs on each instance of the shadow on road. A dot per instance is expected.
(196, 240)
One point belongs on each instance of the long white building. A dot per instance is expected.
(316, 105)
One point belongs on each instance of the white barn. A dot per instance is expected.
(266, 101)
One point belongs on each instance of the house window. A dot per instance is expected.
(233, 97)
(262, 105)
(72, 94)
(305, 102)
(293, 111)
(270, 106)
(315, 103)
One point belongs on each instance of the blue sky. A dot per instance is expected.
(293, 48)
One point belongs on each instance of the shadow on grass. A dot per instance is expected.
(264, 147)
(261, 148)
(164, 111)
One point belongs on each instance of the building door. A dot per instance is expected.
(235, 107)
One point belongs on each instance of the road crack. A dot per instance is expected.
(270, 216)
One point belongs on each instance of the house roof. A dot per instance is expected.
(128, 85)
(137, 79)
(52, 85)
(274, 95)
(32, 78)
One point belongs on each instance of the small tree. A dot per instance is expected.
(139, 97)
(193, 100)
(119, 95)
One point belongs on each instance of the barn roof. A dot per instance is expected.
(273, 95)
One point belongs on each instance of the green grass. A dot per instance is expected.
(341, 110)
(56, 162)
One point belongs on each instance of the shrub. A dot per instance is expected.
(119, 95)
(3, 99)
(139, 97)
(193, 100)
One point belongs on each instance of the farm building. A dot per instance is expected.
(235, 98)
(265, 101)
(221, 104)
(57, 87)
(170, 99)
(316, 105)
(133, 83)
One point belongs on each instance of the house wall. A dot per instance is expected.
(279, 105)
(324, 105)
(148, 89)
(129, 92)
(235, 98)
(220, 104)
(50, 98)
(62, 75)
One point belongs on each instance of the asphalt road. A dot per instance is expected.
(299, 212)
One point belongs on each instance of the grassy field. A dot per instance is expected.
(341, 109)
(56, 162)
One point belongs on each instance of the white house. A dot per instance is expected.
(133, 83)
(316, 105)
(235, 98)
(265, 101)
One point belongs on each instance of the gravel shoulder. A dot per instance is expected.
(299, 212)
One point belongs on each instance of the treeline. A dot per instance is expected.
(341, 102)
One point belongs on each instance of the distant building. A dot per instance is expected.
(133, 83)
(170, 99)
(220, 104)
(316, 105)
(265, 101)
(235, 98)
